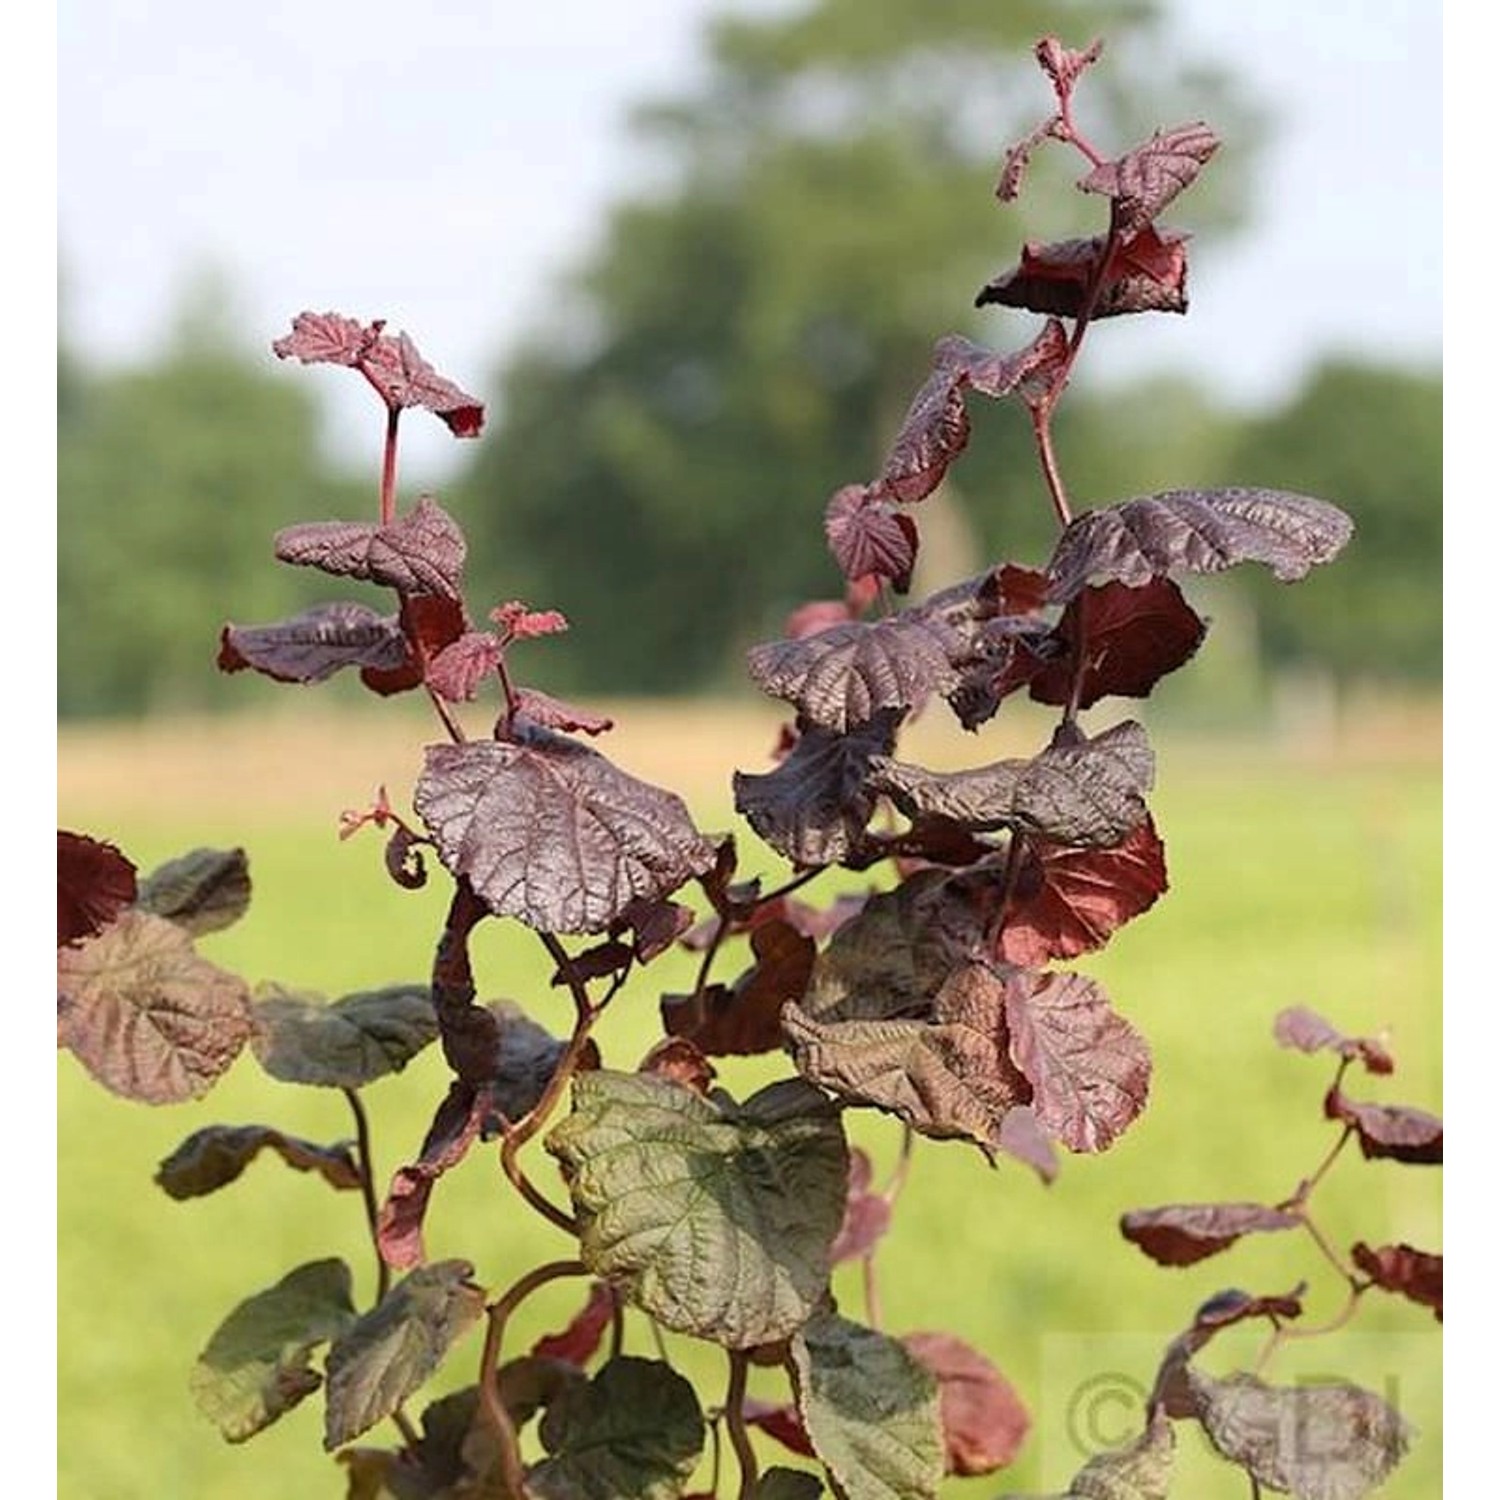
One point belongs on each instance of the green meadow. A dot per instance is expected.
(1303, 872)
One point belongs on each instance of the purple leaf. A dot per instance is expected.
(1414, 1274)
(1088, 794)
(1064, 65)
(1144, 181)
(869, 536)
(457, 670)
(814, 806)
(95, 883)
(1307, 1031)
(147, 1016)
(420, 553)
(1146, 273)
(1396, 1131)
(1089, 1067)
(1018, 158)
(554, 713)
(1181, 1234)
(312, 646)
(326, 338)
(550, 832)
(1197, 531)
(843, 677)
(404, 379)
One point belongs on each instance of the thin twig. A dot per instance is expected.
(734, 1419)
(367, 1190)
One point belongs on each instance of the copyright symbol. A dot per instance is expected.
(1104, 1413)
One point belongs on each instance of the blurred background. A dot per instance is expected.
(695, 255)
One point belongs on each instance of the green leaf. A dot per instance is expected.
(871, 1410)
(634, 1432)
(714, 1217)
(381, 1359)
(1141, 1470)
(215, 1156)
(203, 891)
(145, 1014)
(255, 1367)
(300, 1039)
(787, 1484)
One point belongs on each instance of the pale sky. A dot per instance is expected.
(436, 165)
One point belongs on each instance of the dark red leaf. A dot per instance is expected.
(95, 882)
(430, 623)
(814, 806)
(1144, 181)
(1396, 1131)
(654, 927)
(1090, 1069)
(936, 428)
(784, 1423)
(1234, 1306)
(1307, 1031)
(549, 831)
(1069, 900)
(1414, 1274)
(554, 713)
(1181, 1234)
(577, 1343)
(1146, 273)
(1131, 638)
(457, 670)
(677, 1059)
(843, 677)
(867, 1214)
(1197, 531)
(455, 1127)
(315, 644)
(870, 537)
(984, 1420)
(403, 378)
(326, 338)
(422, 552)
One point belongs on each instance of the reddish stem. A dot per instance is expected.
(388, 467)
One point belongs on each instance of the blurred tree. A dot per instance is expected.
(746, 336)
(171, 478)
(1369, 438)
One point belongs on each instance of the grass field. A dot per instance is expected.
(1301, 872)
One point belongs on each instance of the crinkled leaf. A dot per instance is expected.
(300, 1039)
(1397, 1131)
(1132, 637)
(1089, 793)
(843, 677)
(1018, 158)
(430, 623)
(1146, 273)
(326, 339)
(577, 1343)
(202, 892)
(421, 552)
(745, 1019)
(519, 622)
(1197, 531)
(554, 713)
(457, 670)
(891, 957)
(1090, 1068)
(95, 882)
(1064, 65)
(1141, 1470)
(1145, 180)
(984, 1420)
(787, 1484)
(867, 1214)
(1181, 1234)
(814, 806)
(871, 1409)
(313, 645)
(1068, 901)
(255, 1367)
(1307, 1031)
(936, 427)
(635, 1432)
(147, 1016)
(380, 1359)
(455, 1127)
(550, 832)
(404, 379)
(1312, 1441)
(216, 1155)
(950, 1077)
(713, 1217)
(869, 536)
(1414, 1274)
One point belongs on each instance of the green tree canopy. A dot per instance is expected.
(745, 337)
